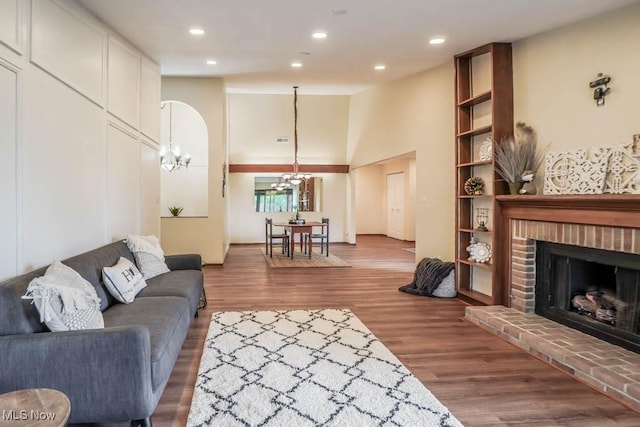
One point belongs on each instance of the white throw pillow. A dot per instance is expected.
(148, 254)
(65, 300)
(446, 288)
(123, 280)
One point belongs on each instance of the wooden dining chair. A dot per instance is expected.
(269, 237)
(323, 237)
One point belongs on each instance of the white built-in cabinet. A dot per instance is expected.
(79, 134)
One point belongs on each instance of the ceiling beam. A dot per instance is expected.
(281, 168)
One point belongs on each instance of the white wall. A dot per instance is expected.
(255, 121)
(71, 125)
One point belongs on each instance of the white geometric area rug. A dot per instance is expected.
(305, 368)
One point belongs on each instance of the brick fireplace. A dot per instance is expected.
(602, 222)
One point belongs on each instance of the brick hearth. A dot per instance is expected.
(607, 368)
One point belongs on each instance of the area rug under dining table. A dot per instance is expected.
(305, 368)
(300, 259)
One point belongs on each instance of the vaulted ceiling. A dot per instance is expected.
(254, 42)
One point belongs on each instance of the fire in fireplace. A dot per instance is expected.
(593, 290)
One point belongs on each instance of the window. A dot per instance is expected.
(273, 200)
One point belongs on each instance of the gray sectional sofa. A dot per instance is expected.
(113, 374)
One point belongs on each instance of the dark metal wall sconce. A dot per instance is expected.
(600, 88)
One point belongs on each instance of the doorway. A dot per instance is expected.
(395, 205)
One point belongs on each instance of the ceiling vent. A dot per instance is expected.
(282, 139)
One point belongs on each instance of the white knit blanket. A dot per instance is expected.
(148, 244)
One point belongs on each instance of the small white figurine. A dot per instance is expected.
(528, 187)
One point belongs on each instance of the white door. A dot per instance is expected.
(395, 205)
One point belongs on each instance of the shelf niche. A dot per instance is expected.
(484, 110)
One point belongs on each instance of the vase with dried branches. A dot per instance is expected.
(516, 154)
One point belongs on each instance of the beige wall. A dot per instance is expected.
(255, 121)
(247, 226)
(552, 72)
(413, 114)
(207, 236)
(551, 75)
(370, 202)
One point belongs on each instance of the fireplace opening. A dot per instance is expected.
(592, 290)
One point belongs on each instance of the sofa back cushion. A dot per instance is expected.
(90, 265)
(18, 316)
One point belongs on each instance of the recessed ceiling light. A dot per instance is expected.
(436, 40)
(319, 35)
(211, 62)
(379, 67)
(296, 64)
(196, 31)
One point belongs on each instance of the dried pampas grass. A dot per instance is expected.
(516, 154)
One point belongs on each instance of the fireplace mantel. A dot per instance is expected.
(621, 210)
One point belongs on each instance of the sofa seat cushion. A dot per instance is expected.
(184, 283)
(168, 320)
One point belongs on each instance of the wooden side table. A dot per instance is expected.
(34, 407)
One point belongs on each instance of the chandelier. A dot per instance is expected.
(296, 177)
(171, 157)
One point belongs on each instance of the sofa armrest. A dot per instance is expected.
(184, 262)
(106, 373)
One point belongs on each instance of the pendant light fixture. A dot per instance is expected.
(171, 158)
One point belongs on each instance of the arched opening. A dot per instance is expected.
(185, 187)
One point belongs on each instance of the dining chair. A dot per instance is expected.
(269, 237)
(323, 236)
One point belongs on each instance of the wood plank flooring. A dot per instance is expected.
(483, 380)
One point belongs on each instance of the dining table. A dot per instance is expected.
(301, 229)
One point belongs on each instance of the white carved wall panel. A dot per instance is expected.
(123, 178)
(68, 48)
(150, 100)
(124, 84)
(149, 189)
(9, 23)
(574, 172)
(622, 171)
(8, 168)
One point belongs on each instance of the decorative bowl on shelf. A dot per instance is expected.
(486, 150)
(474, 186)
(479, 252)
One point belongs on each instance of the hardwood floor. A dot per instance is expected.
(483, 380)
